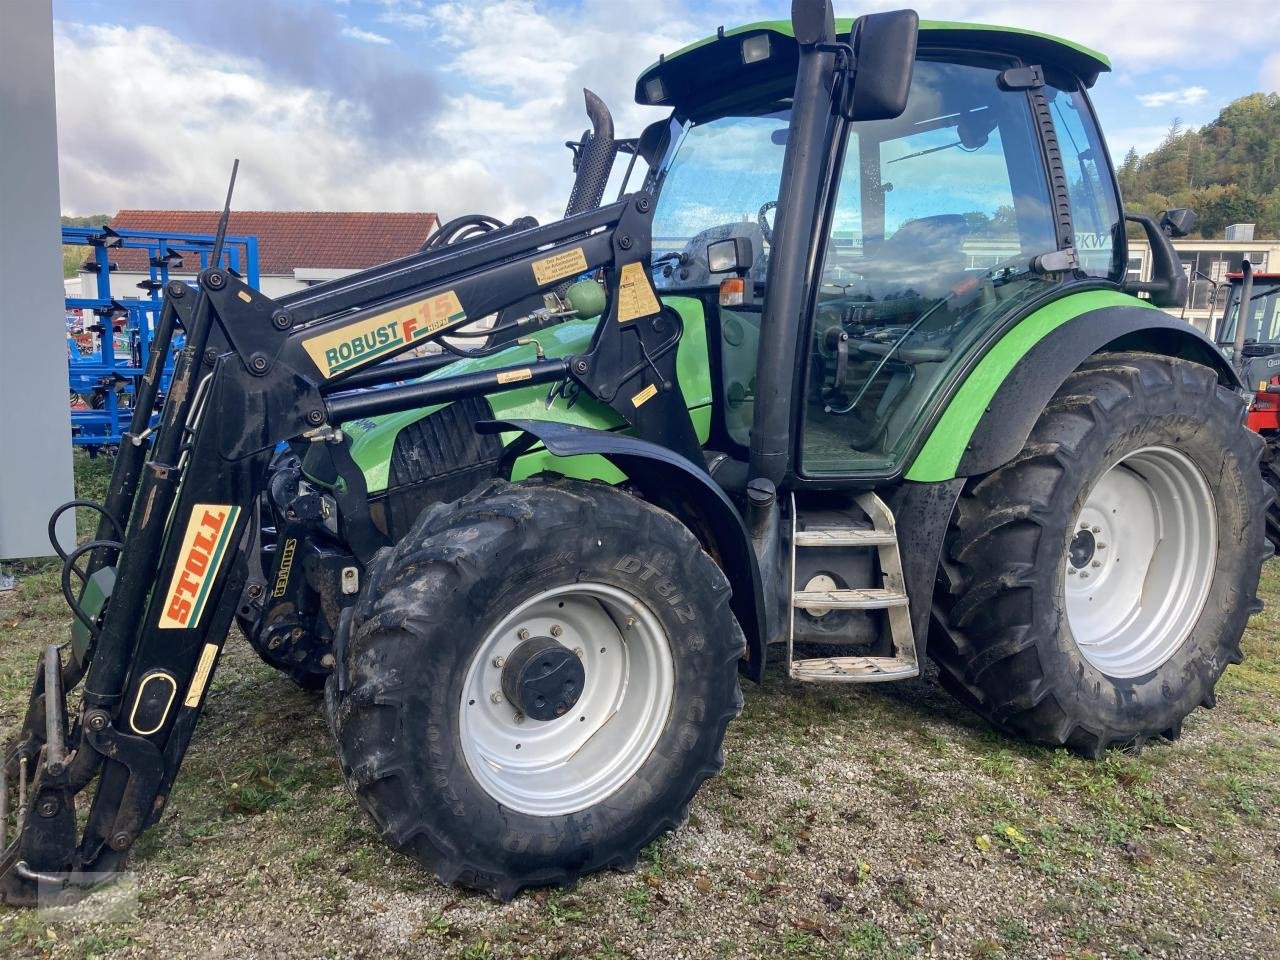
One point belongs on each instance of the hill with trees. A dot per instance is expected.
(1228, 171)
(73, 256)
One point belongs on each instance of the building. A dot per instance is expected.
(1207, 263)
(296, 249)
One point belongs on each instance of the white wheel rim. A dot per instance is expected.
(555, 767)
(1140, 559)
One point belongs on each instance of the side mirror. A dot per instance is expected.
(1178, 223)
(884, 47)
(730, 256)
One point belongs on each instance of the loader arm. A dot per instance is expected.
(256, 372)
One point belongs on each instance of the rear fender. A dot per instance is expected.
(680, 487)
(989, 419)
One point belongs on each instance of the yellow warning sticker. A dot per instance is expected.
(514, 376)
(645, 395)
(551, 269)
(201, 678)
(204, 546)
(365, 340)
(635, 297)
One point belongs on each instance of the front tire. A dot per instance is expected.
(1096, 587)
(500, 786)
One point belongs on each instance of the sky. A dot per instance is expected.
(464, 107)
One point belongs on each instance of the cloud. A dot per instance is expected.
(300, 146)
(1186, 97)
(365, 36)
(1269, 75)
(392, 94)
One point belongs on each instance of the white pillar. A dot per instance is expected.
(35, 422)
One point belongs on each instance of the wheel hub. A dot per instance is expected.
(543, 678)
(1083, 547)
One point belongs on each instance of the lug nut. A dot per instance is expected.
(1096, 564)
(499, 662)
(1100, 545)
(523, 634)
(1096, 529)
(556, 629)
(577, 652)
(1071, 571)
(1084, 574)
(495, 697)
(518, 718)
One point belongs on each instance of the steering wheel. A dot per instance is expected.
(764, 224)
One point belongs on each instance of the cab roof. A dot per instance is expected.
(687, 71)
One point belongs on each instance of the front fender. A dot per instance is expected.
(679, 486)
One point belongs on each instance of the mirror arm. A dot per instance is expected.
(1168, 284)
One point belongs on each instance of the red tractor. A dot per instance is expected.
(1254, 349)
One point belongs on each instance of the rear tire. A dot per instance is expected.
(1031, 633)
(433, 760)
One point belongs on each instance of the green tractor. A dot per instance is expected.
(850, 376)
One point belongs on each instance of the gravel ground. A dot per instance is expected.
(869, 822)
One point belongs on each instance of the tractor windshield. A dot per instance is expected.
(1264, 315)
(720, 180)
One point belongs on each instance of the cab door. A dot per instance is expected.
(935, 218)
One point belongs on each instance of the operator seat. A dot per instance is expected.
(925, 257)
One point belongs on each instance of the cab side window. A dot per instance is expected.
(1095, 211)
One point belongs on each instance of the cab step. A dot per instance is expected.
(844, 537)
(863, 598)
(853, 669)
(890, 596)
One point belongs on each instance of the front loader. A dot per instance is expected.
(853, 378)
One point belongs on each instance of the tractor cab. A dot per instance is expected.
(1262, 329)
(933, 226)
(1259, 360)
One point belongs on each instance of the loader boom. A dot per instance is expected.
(256, 372)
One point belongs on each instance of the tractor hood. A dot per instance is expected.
(757, 62)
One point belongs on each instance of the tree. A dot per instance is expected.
(1228, 171)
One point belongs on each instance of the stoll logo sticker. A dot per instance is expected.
(365, 340)
(203, 547)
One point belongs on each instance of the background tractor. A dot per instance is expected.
(850, 374)
(1254, 349)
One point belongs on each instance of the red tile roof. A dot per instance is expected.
(288, 239)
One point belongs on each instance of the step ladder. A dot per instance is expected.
(891, 597)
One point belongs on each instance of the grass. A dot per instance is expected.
(849, 824)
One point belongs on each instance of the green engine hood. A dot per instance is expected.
(373, 438)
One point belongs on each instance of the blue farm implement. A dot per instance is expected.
(109, 337)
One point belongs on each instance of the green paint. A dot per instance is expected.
(373, 439)
(941, 454)
(215, 561)
(844, 24)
